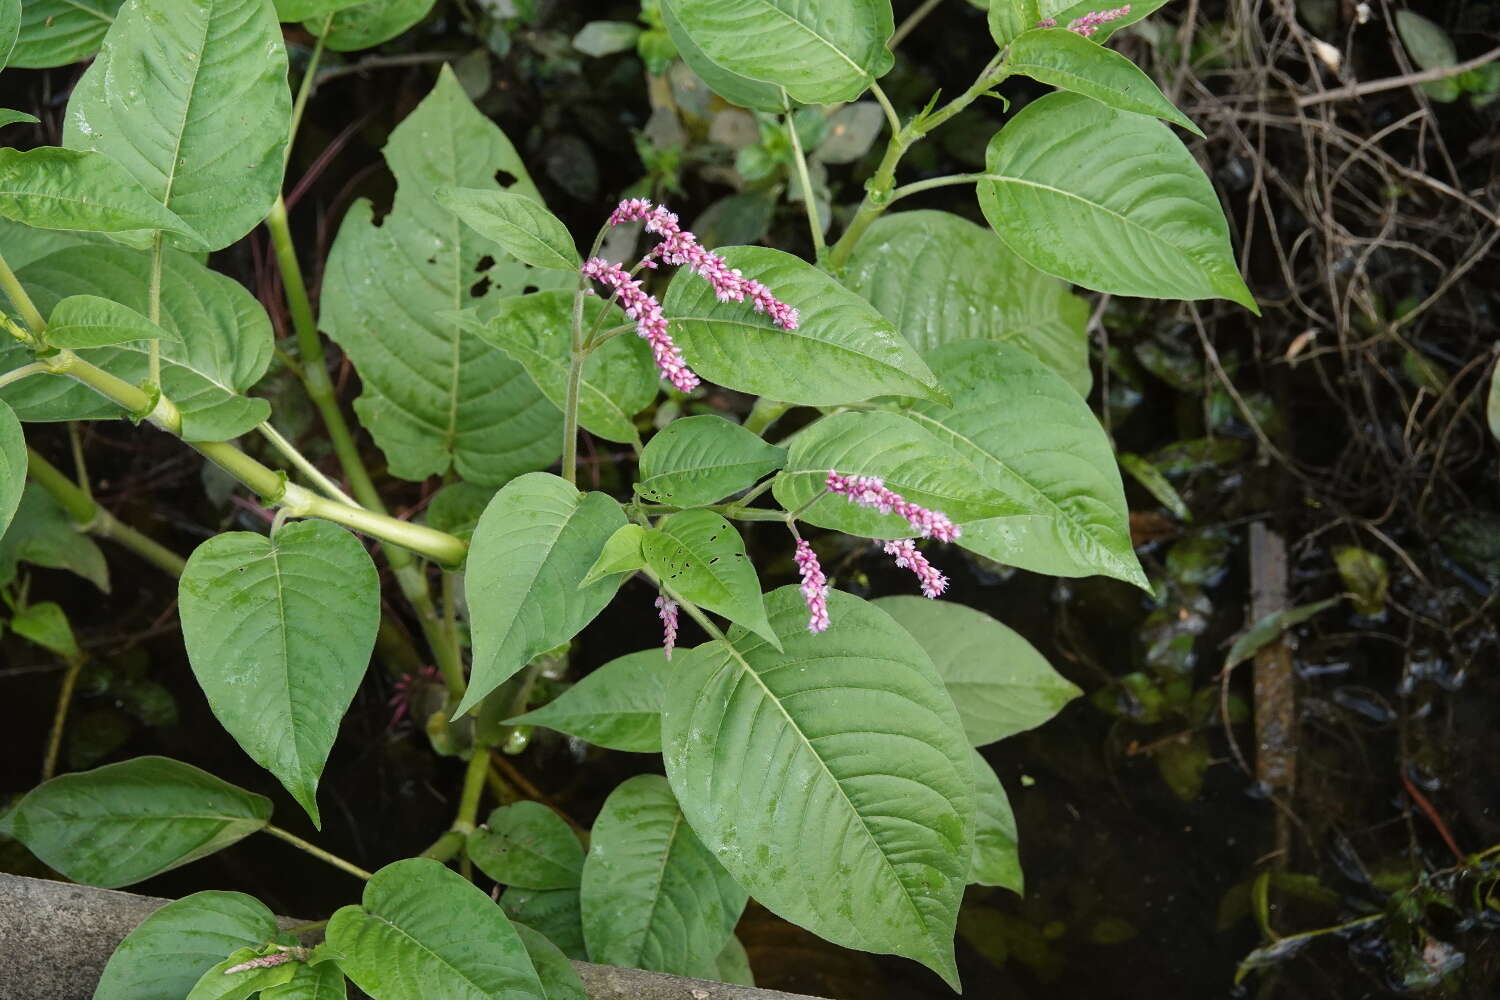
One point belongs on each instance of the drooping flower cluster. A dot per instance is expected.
(907, 557)
(650, 324)
(263, 962)
(870, 491)
(666, 609)
(1088, 23)
(814, 587)
(409, 688)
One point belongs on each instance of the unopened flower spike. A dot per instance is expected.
(814, 587)
(263, 962)
(650, 324)
(870, 491)
(907, 557)
(666, 609)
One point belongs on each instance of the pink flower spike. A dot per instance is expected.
(907, 557)
(264, 962)
(1089, 23)
(666, 609)
(650, 324)
(870, 491)
(814, 587)
(1047, 22)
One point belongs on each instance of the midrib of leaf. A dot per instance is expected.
(286, 655)
(456, 241)
(187, 107)
(90, 10)
(814, 34)
(807, 743)
(661, 877)
(439, 958)
(537, 571)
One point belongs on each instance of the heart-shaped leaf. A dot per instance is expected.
(698, 460)
(617, 706)
(279, 632)
(526, 844)
(83, 191)
(172, 948)
(701, 557)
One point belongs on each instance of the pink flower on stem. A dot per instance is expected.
(814, 587)
(1089, 23)
(408, 687)
(1047, 22)
(650, 324)
(870, 491)
(907, 557)
(264, 962)
(666, 609)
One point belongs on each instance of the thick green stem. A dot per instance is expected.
(317, 852)
(28, 310)
(468, 803)
(809, 204)
(764, 413)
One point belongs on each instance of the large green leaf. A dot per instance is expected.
(1000, 683)
(552, 912)
(1070, 61)
(222, 347)
(698, 460)
(363, 25)
(41, 533)
(434, 395)
(324, 981)
(279, 632)
(58, 32)
(942, 279)
(424, 931)
(121, 823)
(81, 321)
(12, 466)
(619, 379)
(820, 53)
(526, 844)
(843, 351)
(82, 191)
(914, 462)
(996, 859)
(217, 983)
(21, 244)
(1109, 200)
(172, 948)
(1031, 437)
(531, 550)
(701, 558)
(747, 93)
(618, 706)
(831, 779)
(520, 224)
(192, 99)
(653, 896)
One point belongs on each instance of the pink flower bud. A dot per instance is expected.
(907, 557)
(1089, 23)
(666, 609)
(814, 587)
(870, 491)
(650, 324)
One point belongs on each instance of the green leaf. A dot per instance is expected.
(528, 845)
(996, 859)
(123, 823)
(552, 912)
(434, 395)
(733, 964)
(215, 984)
(819, 53)
(1070, 61)
(59, 32)
(532, 548)
(456, 508)
(734, 88)
(12, 466)
(843, 351)
(698, 460)
(1156, 484)
(364, 25)
(1492, 405)
(622, 554)
(520, 224)
(1031, 438)
(943, 279)
(170, 950)
(192, 100)
(605, 38)
(559, 980)
(324, 981)
(852, 731)
(1068, 10)
(46, 624)
(1365, 575)
(1270, 627)
(913, 460)
(220, 340)
(618, 706)
(1109, 200)
(619, 378)
(91, 321)
(701, 557)
(53, 188)
(10, 27)
(1009, 18)
(423, 931)
(653, 896)
(22, 245)
(1429, 45)
(288, 11)
(279, 632)
(999, 682)
(41, 533)
(9, 117)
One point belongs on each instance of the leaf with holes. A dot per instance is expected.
(653, 896)
(12, 466)
(59, 32)
(81, 191)
(996, 859)
(943, 279)
(701, 558)
(279, 631)
(1057, 190)
(843, 351)
(122, 823)
(831, 779)
(698, 460)
(192, 100)
(81, 321)
(619, 378)
(520, 224)
(435, 396)
(1000, 683)
(617, 706)
(170, 950)
(423, 931)
(532, 548)
(526, 844)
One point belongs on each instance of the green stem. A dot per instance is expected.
(916, 187)
(29, 314)
(301, 464)
(34, 368)
(814, 226)
(445, 847)
(317, 852)
(576, 357)
(468, 803)
(764, 413)
(304, 90)
(60, 715)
